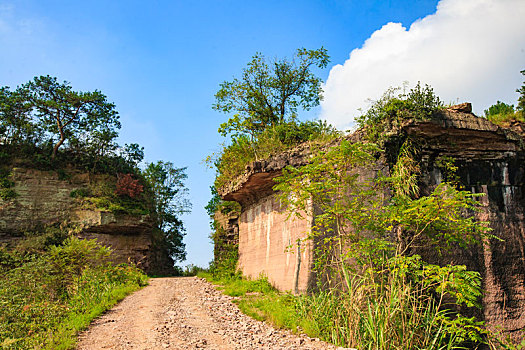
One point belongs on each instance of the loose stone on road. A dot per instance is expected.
(185, 313)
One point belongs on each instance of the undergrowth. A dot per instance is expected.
(260, 300)
(103, 194)
(232, 160)
(47, 296)
(388, 113)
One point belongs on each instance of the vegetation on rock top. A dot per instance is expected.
(388, 297)
(503, 114)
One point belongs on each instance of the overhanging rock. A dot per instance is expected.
(490, 160)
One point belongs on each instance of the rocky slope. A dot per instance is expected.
(45, 198)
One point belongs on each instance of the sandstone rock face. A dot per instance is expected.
(491, 160)
(270, 244)
(43, 199)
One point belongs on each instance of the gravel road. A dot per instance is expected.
(185, 313)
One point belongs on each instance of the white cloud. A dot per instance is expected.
(469, 50)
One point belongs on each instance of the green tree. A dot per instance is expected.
(16, 123)
(69, 114)
(499, 108)
(270, 92)
(133, 153)
(169, 192)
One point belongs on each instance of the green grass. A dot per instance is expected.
(260, 300)
(368, 315)
(48, 296)
(65, 337)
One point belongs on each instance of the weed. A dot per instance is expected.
(7, 194)
(47, 297)
(80, 193)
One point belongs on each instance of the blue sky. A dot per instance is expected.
(162, 61)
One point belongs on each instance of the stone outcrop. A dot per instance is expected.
(43, 198)
(257, 180)
(490, 160)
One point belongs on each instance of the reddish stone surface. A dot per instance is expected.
(272, 245)
(490, 160)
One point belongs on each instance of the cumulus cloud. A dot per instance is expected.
(468, 50)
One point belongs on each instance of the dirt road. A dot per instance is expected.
(185, 313)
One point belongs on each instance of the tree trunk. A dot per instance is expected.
(55, 149)
(62, 137)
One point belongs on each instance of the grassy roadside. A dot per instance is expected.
(260, 300)
(67, 331)
(395, 320)
(48, 296)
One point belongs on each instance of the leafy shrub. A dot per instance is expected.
(8, 194)
(374, 293)
(499, 108)
(80, 193)
(39, 241)
(6, 191)
(47, 297)
(394, 107)
(503, 114)
(63, 175)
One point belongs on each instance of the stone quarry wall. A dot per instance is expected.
(490, 160)
(43, 199)
(270, 244)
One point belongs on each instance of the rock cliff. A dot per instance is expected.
(490, 160)
(45, 198)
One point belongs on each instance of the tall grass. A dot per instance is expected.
(46, 298)
(384, 316)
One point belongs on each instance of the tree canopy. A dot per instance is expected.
(169, 196)
(71, 115)
(45, 118)
(270, 92)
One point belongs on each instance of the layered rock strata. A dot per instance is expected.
(490, 160)
(43, 198)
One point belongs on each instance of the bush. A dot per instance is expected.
(499, 108)
(80, 193)
(48, 297)
(6, 191)
(394, 107)
(7, 194)
(232, 160)
(128, 186)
